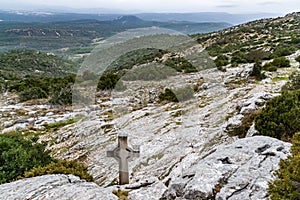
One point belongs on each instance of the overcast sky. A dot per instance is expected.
(233, 6)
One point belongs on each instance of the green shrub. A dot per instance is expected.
(59, 89)
(221, 60)
(286, 186)
(281, 62)
(298, 59)
(18, 155)
(61, 95)
(60, 167)
(269, 67)
(238, 57)
(31, 62)
(280, 118)
(256, 72)
(283, 51)
(149, 73)
(32, 93)
(247, 121)
(254, 55)
(180, 64)
(168, 95)
(108, 81)
(135, 57)
(293, 83)
(180, 94)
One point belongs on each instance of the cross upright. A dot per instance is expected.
(123, 153)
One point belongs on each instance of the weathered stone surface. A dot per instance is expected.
(240, 170)
(50, 187)
(183, 145)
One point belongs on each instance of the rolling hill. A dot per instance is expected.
(51, 36)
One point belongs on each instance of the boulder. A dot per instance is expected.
(240, 170)
(54, 187)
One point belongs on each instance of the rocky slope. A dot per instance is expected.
(54, 187)
(185, 150)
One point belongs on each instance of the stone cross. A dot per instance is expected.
(123, 153)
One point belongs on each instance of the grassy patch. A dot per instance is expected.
(60, 167)
(57, 125)
(242, 129)
(276, 79)
(122, 194)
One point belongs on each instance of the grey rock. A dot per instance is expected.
(150, 188)
(49, 114)
(51, 187)
(233, 122)
(10, 102)
(240, 170)
(15, 128)
(252, 131)
(7, 124)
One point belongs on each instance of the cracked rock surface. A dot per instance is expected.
(240, 170)
(185, 152)
(50, 187)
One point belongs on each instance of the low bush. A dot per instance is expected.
(283, 51)
(298, 59)
(180, 94)
(256, 71)
(180, 64)
(221, 60)
(280, 62)
(287, 184)
(108, 81)
(238, 57)
(247, 121)
(60, 167)
(32, 93)
(280, 118)
(269, 67)
(168, 95)
(293, 83)
(18, 155)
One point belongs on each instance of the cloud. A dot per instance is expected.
(227, 6)
(269, 3)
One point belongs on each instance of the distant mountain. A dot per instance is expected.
(205, 17)
(50, 16)
(129, 19)
(33, 16)
(81, 33)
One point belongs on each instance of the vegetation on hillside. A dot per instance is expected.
(286, 186)
(136, 57)
(258, 40)
(71, 36)
(280, 118)
(176, 95)
(37, 75)
(280, 62)
(59, 90)
(18, 155)
(22, 158)
(59, 167)
(34, 63)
